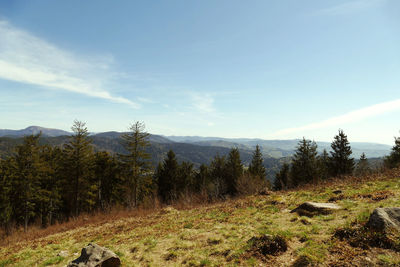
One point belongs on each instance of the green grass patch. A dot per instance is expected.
(314, 251)
(6, 262)
(52, 261)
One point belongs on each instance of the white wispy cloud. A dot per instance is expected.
(350, 7)
(146, 100)
(350, 117)
(203, 102)
(28, 59)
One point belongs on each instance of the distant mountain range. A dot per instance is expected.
(33, 130)
(281, 148)
(270, 148)
(195, 149)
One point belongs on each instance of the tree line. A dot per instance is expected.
(307, 166)
(46, 184)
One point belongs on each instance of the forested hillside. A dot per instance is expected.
(111, 142)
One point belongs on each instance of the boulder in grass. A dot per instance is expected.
(383, 219)
(95, 256)
(310, 209)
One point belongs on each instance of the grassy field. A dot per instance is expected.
(218, 234)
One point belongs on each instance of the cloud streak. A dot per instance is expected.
(28, 59)
(350, 7)
(351, 117)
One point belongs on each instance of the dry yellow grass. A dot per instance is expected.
(217, 234)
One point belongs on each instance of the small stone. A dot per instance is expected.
(63, 253)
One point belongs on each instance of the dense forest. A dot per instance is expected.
(158, 149)
(48, 182)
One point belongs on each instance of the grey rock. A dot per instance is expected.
(95, 256)
(383, 219)
(63, 253)
(313, 208)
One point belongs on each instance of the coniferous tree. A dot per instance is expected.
(78, 152)
(167, 174)
(185, 179)
(393, 160)
(341, 163)
(109, 182)
(362, 167)
(6, 204)
(282, 178)
(48, 195)
(323, 162)
(304, 163)
(256, 167)
(218, 176)
(136, 161)
(234, 169)
(202, 179)
(26, 178)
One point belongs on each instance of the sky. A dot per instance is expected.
(228, 68)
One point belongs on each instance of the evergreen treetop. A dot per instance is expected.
(304, 163)
(256, 167)
(341, 162)
(393, 160)
(234, 169)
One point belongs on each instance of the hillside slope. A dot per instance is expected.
(219, 234)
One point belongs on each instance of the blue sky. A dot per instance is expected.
(265, 69)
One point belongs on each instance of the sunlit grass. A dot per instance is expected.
(214, 234)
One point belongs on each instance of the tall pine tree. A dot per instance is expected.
(304, 163)
(79, 161)
(167, 174)
(256, 167)
(26, 179)
(136, 161)
(341, 162)
(234, 169)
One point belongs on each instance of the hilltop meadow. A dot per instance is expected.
(57, 199)
(218, 234)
